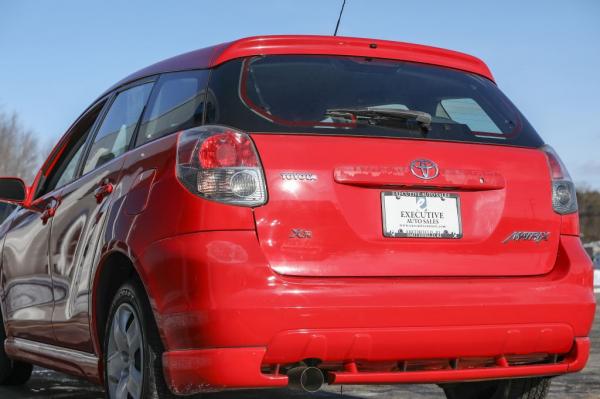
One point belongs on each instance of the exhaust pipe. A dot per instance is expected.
(307, 379)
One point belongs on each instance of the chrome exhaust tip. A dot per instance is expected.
(307, 379)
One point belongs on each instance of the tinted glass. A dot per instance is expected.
(295, 93)
(177, 103)
(468, 112)
(115, 132)
(71, 170)
(66, 167)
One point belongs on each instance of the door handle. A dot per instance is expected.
(49, 212)
(103, 191)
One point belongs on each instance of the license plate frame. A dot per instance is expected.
(433, 227)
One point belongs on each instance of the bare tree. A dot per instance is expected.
(589, 214)
(19, 148)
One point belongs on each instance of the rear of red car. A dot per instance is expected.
(410, 226)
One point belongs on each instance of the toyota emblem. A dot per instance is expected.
(424, 169)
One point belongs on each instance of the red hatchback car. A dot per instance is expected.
(293, 211)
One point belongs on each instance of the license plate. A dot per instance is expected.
(421, 214)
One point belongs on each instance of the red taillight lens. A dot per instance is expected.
(221, 164)
(564, 196)
(229, 149)
(556, 168)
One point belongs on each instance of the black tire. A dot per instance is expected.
(12, 373)
(525, 388)
(132, 296)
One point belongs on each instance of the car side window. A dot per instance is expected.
(115, 132)
(177, 103)
(66, 168)
(71, 169)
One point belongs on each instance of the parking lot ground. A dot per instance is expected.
(585, 385)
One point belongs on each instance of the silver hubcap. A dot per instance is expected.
(124, 363)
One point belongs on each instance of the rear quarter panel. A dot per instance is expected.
(151, 206)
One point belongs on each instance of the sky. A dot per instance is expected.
(57, 56)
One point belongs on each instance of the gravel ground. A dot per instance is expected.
(585, 385)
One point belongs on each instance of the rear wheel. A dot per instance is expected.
(12, 372)
(132, 349)
(526, 388)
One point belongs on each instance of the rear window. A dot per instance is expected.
(297, 93)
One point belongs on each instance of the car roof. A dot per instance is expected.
(314, 45)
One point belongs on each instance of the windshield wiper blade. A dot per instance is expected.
(383, 113)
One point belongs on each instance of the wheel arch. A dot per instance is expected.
(115, 269)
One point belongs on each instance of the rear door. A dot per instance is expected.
(84, 205)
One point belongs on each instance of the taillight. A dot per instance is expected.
(221, 164)
(564, 197)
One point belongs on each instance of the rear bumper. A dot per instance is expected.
(228, 321)
(193, 371)
(573, 362)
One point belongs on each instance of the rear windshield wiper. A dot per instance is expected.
(376, 114)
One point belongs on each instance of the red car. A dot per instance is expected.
(299, 210)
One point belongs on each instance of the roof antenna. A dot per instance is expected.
(340, 18)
